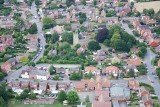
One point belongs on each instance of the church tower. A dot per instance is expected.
(75, 38)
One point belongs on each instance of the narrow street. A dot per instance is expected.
(150, 78)
(40, 32)
(14, 74)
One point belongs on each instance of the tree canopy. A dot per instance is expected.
(33, 29)
(93, 46)
(62, 96)
(72, 97)
(48, 22)
(102, 35)
(67, 37)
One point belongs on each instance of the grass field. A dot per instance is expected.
(148, 5)
(14, 103)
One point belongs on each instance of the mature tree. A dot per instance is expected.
(31, 64)
(82, 17)
(67, 37)
(84, 2)
(56, 77)
(131, 73)
(93, 46)
(142, 70)
(107, 42)
(37, 2)
(52, 70)
(116, 41)
(33, 29)
(87, 99)
(72, 97)
(64, 46)
(75, 76)
(95, 2)
(62, 96)
(1, 75)
(1, 2)
(24, 59)
(158, 72)
(48, 23)
(69, 2)
(115, 60)
(2, 102)
(89, 75)
(32, 96)
(54, 38)
(102, 35)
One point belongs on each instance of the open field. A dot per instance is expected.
(148, 5)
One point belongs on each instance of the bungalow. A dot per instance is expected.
(112, 70)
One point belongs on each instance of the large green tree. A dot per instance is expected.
(72, 97)
(62, 96)
(116, 41)
(102, 35)
(93, 46)
(48, 23)
(33, 29)
(67, 37)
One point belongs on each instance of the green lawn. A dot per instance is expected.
(14, 103)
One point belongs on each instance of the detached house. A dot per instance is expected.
(112, 70)
(6, 67)
(91, 69)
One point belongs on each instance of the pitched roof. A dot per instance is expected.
(112, 68)
(90, 68)
(101, 104)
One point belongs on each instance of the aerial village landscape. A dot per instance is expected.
(80, 53)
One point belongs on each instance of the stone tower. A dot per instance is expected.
(75, 38)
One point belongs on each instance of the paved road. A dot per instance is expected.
(147, 60)
(40, 32)
(14, 74)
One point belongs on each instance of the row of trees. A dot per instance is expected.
(72, 96)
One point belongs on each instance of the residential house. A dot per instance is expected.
(43, 86)
(15, 84)
(2, 47)
(112, 70)
(33, 85)
(6, 67)
(25, 74)
(39, 74)
(7, 40)
(123, 56)
(58, 29)
(32, 42)
(143, 91)
(24, 84)
(120, 93)
(90, 69)
(157, 49)
(147, 101)
(62, 85)
(135, 61)
(101, 104)
(52, 85)
(80, 87)
(60, 70)
(133, 84)
(102, 93)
